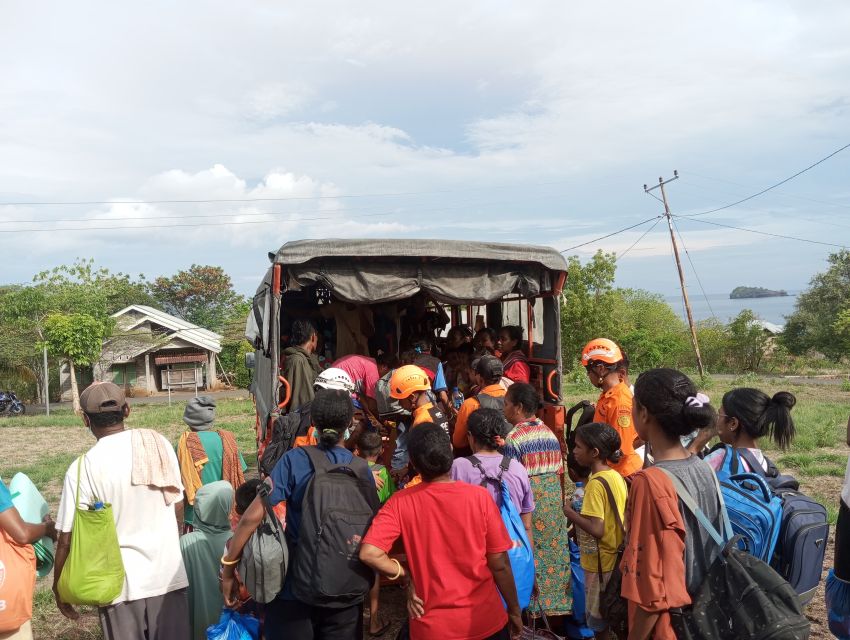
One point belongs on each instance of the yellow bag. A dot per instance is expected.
(94, 571)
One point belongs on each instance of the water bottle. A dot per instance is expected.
(97, 506)
(457, 398)
(578, 497)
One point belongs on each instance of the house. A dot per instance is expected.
(151, 351)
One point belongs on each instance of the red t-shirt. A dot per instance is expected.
(363, 372)
(447, 529)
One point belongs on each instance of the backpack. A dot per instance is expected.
(754, 511)
(494, 402)
(613, 607)
(284, 431)
(337, 509)
(804, 529)
(741, 596)
(262, 567)
(521, 555)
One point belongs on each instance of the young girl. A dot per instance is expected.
(749, 414)
(600, 522)
(668, 553)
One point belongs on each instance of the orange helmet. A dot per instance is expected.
(407, 379)
(601, 350)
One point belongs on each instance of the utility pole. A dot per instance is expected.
(660, 185)
(46, 384)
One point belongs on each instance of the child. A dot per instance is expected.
(600, 524)
(369, 447)
(668, 552)
(749, 414)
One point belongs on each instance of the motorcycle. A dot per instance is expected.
(10, 405)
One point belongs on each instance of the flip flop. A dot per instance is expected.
(381, 631)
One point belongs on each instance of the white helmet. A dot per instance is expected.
(334, 378)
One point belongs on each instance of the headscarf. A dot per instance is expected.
(202, 550)
(200, 413)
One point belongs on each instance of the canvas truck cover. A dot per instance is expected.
(376, 271)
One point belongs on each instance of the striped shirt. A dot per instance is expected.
(536, 447)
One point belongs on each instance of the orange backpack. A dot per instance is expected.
(17, 583)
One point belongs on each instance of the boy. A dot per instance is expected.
(369, 447)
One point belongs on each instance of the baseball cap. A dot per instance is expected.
(489, 367)
(102, 397)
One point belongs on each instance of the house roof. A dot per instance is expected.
(186, 331)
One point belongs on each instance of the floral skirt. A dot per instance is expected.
(551, 546)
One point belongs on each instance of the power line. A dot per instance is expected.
(635, 243)
(763, 233)
(282, 199)
(774, 186)
(583, 244)
(694, 269)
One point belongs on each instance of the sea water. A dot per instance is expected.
(721, 306)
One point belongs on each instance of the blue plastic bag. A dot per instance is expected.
(521, 556)
(575, 625)
(234, 626)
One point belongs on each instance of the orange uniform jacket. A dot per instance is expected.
(615, 407)
(469, 405)
(653, 565)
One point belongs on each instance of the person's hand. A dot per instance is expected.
(415, 604)
(64, 608)
(515, 624)
(569, 512)
(50, 528)
(229, 587)
(379, 481)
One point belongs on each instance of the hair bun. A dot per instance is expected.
(784, 399)
(616, 456)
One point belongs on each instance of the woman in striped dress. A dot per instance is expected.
(537, 448)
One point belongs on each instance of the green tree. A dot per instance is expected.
(816, 322)
(202, 295)
(76, 338)
(649, 330)
(747, 343)
(588, 302)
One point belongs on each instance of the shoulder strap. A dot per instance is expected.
(505, 464)
(79, 467)
(612, 502)
(755, 465)
(689, 502)
(318, 458)
(476, 462)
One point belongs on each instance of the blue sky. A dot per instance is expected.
(525, 122)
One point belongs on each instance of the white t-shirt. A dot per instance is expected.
(146, 526)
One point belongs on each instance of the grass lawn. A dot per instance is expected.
(44, 447)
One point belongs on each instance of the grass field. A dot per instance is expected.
(43, 448)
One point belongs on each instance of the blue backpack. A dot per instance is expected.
(521, 555)
(754, 510)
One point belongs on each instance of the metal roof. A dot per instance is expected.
(182, 329)
(302, 251)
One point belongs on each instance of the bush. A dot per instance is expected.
(232, 358)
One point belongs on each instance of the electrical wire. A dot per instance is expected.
(614, 233)
(635, 243)
(763, 233)
(770, 188)
(694, 269)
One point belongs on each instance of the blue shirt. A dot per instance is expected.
(5, 498)
(440, 379)
(290, 477)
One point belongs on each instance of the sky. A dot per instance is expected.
(532, 122)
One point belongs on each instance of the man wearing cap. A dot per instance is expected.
(136, 471)
(492, 396)
(205, 454)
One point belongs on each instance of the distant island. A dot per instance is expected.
(756, 292)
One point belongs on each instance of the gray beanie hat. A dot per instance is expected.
(200, 413)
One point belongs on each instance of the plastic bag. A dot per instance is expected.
(234, 626)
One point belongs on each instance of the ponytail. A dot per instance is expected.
(760, 415)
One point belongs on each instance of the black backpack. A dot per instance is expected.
(284, 431)
(800, 551)
(337, 509)
(741, 596)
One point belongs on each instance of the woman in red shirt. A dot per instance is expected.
(456, 546)
(513, 357)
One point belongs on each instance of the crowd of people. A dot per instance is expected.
(438, 438)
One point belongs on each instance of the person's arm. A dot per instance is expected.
(500, 567)
(459, 436)
(24, 532)
(703, 438)
(593, 526)
(248, 523)
(377, 559)
(63, 546)
(642, 624)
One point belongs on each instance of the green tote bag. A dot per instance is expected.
(94, 571)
